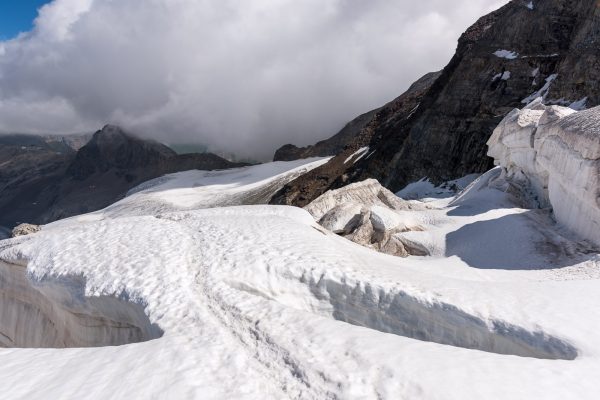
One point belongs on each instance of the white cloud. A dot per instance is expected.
(244, 76)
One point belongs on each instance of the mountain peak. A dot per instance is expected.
(113, 148)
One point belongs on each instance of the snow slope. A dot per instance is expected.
(260, 302)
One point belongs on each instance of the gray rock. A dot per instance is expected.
(25, 229)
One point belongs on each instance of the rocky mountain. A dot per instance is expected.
(524, 50)
(42, 180)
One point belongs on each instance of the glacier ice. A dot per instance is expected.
(259, 302)
(554, 152)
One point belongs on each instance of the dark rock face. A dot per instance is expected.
(28, 167)
(335, 173)
(39, 184)
(328, 147)
(551, 49)
(111, 148)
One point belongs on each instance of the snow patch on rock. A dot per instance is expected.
(509, 55)
(543, 92)
(579, 104)
(360, 153)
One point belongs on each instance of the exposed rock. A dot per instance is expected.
(42, 182)
(370, 215)
(333, 175)
(328, 147)
(508, 57)
(552, 154)
(25, 229)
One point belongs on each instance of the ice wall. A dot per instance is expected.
(554, 152)
(56, 313)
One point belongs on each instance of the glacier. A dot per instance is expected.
(190, 288)
(554, 152)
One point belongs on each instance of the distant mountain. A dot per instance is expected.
(523, 50)
(56, 143)
(43, 180)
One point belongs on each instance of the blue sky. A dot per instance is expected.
(17, 16)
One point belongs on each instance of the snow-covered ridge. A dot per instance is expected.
(205, 189)
(555, 151)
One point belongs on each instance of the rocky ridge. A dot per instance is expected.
(334, 174)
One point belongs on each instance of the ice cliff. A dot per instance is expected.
(553, 153)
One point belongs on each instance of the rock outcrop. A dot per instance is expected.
(41, 182)
(552, 154)
(370, 215)
(506, 59)
(335, 173)
(25, 229)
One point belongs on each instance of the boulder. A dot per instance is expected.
(25, 229)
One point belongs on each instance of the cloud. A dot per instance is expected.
(242, 76)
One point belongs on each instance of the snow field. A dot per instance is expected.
(261, 302)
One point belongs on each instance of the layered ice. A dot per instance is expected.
(555, 152)
(57, 314)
